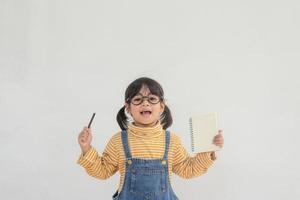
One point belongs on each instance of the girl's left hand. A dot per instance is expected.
(218, 139)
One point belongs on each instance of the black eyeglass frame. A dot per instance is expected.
(129, 100)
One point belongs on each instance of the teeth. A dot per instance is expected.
(143, 112)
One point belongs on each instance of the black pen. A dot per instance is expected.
(91, 120)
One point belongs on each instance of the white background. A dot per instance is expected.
(60, 61)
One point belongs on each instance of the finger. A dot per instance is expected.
(84, 133)
(85, 136)
(83, 130)
(82, 140)
(81, 134)
(219, 135)
(89, 131)
(88, 134)
(214, 142)
(218, 139)
(86, 130)
(218, 144)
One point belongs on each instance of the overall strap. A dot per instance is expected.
(125, 144)
(167, 145)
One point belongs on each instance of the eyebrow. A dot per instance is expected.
(142, 94)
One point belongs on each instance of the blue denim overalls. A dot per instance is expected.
(146, 179)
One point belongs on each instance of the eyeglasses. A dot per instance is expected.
(139, 99)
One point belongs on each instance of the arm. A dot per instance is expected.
(101, 167)
(186, 166)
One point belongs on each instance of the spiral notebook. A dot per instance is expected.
(203, 130)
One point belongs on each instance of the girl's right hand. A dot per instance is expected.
(84, 139)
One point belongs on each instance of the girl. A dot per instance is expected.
(144, 152)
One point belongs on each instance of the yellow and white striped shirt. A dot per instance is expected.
(146, 143)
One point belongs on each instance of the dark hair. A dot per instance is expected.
(133, 89)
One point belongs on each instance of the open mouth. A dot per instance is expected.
(146, 113)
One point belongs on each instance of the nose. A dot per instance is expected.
(145, 101)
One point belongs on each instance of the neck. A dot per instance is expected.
(145, 125)
(146, 131)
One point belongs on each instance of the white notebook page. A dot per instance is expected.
(203, 130)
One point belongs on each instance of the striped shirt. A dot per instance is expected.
(146, 143)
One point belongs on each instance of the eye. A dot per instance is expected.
(153, 98)
(137, 99)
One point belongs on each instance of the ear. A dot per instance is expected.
(162, 107)
(127, 108)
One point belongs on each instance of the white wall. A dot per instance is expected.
(60, 61)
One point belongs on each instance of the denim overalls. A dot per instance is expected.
(146, 179)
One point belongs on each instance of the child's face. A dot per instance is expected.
(148, 112)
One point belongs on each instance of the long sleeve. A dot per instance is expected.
(101, 167)
(186, 166)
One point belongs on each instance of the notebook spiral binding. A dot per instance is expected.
(192, 134)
